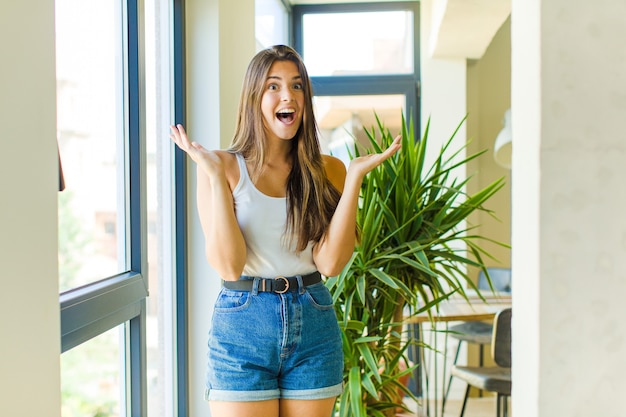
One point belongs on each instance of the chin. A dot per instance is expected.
(288, 134)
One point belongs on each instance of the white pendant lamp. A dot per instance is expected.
(504, 143)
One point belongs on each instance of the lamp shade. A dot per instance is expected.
(504, 143)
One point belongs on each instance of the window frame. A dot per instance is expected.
(95, 308)
(180, 213)
(342, 85)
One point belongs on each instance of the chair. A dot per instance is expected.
(479, 332)
(492, 378)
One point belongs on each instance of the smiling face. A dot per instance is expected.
(282, 103)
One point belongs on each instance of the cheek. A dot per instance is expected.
(267, 108)
(301, 105)
(302, 118)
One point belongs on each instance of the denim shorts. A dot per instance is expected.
(265, 346)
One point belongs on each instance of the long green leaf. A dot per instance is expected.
(369, 359)
(354, 389)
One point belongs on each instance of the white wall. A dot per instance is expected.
(569, 198)
(29, 301)
(525, 99)
(444, 101)
(220, 44)
(444, 87)
(489, 96)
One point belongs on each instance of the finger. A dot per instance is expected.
(179, 136)
(174, 133)
(177, 141)
(178, 130)
(175, 137)
(197, 146)
(394, 147)
(181, 129)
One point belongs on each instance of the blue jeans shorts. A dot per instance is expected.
(264, 346)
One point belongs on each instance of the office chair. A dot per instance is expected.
(479, 332)
(492, 378)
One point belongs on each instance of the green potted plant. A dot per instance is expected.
(413, 251)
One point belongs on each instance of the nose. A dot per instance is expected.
(286, 95)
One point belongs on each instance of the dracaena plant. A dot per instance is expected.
(413, 251)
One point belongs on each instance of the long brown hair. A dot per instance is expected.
(311, 198)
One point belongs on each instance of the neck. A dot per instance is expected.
(278, 153)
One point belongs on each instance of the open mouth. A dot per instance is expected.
(286, 116)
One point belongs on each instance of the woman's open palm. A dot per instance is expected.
(209, 161)
(364, 164)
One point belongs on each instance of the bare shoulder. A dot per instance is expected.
(335, 170)
(228, 158)
(231, 168)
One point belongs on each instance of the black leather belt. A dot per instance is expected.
(278, 285)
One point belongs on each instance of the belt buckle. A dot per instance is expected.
(286, 285)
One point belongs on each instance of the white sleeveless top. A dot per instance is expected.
(262, 221)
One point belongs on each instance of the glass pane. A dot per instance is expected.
(270, 23)
(92, 377)
(90, 132)
(342, 119)
(160, 335)
(358, 43)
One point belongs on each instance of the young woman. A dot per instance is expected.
(276, 215)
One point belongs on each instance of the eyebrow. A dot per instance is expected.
(276, 77)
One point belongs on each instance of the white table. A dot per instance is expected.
(456, 308)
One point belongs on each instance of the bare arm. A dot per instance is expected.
(225, 246)
(336, 247)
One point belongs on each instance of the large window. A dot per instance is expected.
(121, 281)
(341, 42)
(363, 60)
(91, 126)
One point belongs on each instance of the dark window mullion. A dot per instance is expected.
(362, 85)
(180, 210)
(136, 358)
(137, 220)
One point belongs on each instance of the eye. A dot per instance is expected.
(298, 86)
(272, 87)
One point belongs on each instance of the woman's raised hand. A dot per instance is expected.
(207, 160)
(364, 164)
